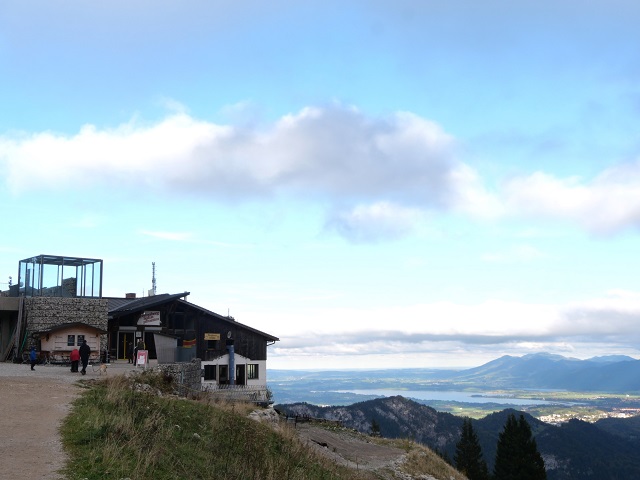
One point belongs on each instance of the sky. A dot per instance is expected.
(379, 184)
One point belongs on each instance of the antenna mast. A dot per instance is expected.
(153, 277)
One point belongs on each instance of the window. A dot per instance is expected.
(71, 340)
(252, 371)
(212, 344)
(178, 321)
(210, 372)
(189, 323)
(80, 339)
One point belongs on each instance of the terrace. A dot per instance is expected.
(59, 276)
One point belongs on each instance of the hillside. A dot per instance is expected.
(135, 427)
(386, 459)
(397, 416)
(575, 450)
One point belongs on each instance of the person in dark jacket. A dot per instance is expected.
(85, 351)
(130, 352)
(33, 357)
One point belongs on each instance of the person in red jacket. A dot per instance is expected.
(75, 359)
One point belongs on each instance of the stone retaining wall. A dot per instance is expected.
(43, 313)
(187, 376)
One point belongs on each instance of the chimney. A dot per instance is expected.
(129, 295)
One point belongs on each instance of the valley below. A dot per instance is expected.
(584, 414)
(479, 391)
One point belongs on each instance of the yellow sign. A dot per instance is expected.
(212, 336)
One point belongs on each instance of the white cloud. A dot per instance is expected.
(381, 175)
(317, 151)
(482, 331)
(472, 197)
(382, 171)
(609, 203)
(130, 155)
(379, 221)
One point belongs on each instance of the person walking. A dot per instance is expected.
(33, 357)
(74, 357)
(85, 351)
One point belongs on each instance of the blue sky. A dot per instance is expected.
(379, 184)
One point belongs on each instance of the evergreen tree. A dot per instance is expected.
(375, 428)
(468, 458)
(517, 456)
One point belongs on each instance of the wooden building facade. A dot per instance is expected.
(200, 333)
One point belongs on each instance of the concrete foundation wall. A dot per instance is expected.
(9, 303)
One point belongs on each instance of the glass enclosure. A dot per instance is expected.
(54, 276)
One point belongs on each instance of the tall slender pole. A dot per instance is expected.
(153, 277)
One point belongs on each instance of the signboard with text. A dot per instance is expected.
(149, 319)
(212, 336)
(143, 358)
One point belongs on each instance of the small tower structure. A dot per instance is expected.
(153, 278)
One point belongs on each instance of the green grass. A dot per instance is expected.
(115, 431)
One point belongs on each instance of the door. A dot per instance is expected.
(124, 339)
(240, 375)
(150, 344)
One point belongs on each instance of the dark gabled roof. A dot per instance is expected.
(64, 326)
(115, 303)
(125, 306)
(119, 307)
(230, 320)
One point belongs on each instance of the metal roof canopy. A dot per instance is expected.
(61, 260)
(31, 282)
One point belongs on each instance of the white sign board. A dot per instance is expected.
(142, 359)
(149, 318)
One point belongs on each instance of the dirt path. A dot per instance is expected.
(353, 450)
(32, 406)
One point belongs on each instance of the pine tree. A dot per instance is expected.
(517, 456)
(375, 428)
(468, 458)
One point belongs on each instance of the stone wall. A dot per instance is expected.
(186, 376)
(43, 313)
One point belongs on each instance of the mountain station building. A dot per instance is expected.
(57, 303)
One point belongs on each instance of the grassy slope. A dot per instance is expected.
(116, 431)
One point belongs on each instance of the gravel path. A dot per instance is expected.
(349, 449)
(33, 405)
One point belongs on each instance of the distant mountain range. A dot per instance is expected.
(608, 449)
(614, 374)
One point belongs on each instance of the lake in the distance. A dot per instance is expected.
(465, 397)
